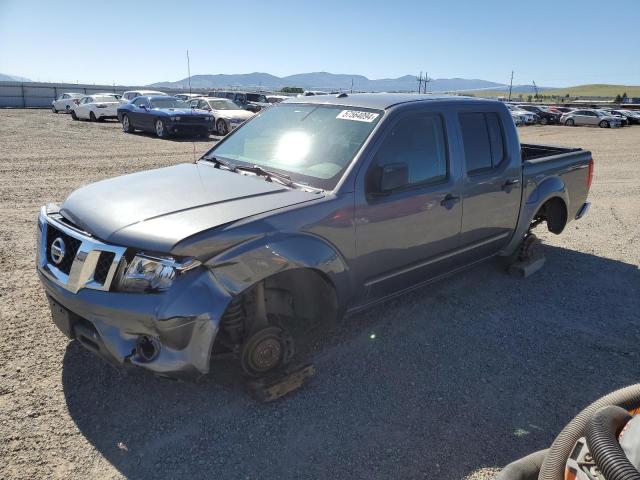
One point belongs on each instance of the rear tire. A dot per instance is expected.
(73, 115)
(68, 109)
(544, 121)
(92, 117)
(53, 109)
(126, 125)
(570, 123)
(604, 124)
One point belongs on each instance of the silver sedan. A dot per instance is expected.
(590, 118)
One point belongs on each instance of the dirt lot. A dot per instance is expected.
(470, 373)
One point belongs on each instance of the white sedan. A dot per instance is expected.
(96, 107)
(65, 102)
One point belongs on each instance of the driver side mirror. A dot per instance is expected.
(391, 176)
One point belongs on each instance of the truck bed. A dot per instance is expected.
(533, 152)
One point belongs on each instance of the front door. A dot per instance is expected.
(403, 235)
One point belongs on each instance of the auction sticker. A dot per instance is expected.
(358, 116)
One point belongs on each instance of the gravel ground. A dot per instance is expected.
(462, 377)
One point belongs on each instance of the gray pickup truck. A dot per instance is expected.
(316, 208)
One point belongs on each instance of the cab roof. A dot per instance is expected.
(382, 101)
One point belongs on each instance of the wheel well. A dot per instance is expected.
(554, 212)
(303, 295)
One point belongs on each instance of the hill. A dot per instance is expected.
(12, 78)
(326, 81)
(593, 90)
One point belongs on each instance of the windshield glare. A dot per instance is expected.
(168, 102)
(313, 144)
(223, 105)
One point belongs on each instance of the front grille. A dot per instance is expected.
(102, 267)
(71, 248)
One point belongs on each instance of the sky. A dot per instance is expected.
(554, 43)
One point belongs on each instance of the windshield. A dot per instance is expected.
(223, 105)
(313, 144)
(105, 98)
(254, 97)
(169, 102)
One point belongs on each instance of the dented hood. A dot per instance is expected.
(154, 210)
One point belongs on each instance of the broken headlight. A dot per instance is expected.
(148, 274)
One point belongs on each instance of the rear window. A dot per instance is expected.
(483, 141)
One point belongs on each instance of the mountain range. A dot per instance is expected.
(332, 81)
(12, 78)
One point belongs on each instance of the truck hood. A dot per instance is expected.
(154, 210)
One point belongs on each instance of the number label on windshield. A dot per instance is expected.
(358, 116)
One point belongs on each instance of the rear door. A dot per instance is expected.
(402, 235)
(492, 181)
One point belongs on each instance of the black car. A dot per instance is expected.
(632, 116)
(164, 116)
(545, 116)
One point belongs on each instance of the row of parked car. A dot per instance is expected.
(162, 114)
(569, 116)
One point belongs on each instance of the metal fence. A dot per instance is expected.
(40, 95)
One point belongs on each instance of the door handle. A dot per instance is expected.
(449, 200)
(509, 184)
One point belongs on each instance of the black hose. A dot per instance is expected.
(602, 439)
(527, 468)
(555, 462)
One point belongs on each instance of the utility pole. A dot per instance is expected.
(535, 89)
(510, 85)
(420, 83)
(351, 84)
(189, 71)
(426, 80)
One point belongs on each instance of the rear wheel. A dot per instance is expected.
(221, 127)
(126, 125)
(570, 122)
(92, 117)
(544, 120)
(68, 109)
(73, 115)
(53, 109)
(604, 124)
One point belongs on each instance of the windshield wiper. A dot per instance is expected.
(269, 174)
(221, 163)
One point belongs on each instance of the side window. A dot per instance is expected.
(193, 103)
(139, 101)
(418, 141)
(483, 141)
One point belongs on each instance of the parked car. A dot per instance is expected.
(226, 114)
(545, 117)
(590, 118)
(164, 116)
(317, 207)
(96, 108)
(131, 94)
(65, 101)
(609, 111)
(528, 118)
(277, 98)
(185, 97)
(632, 116)
(253, 102)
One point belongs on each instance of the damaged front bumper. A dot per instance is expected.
(169, 333)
